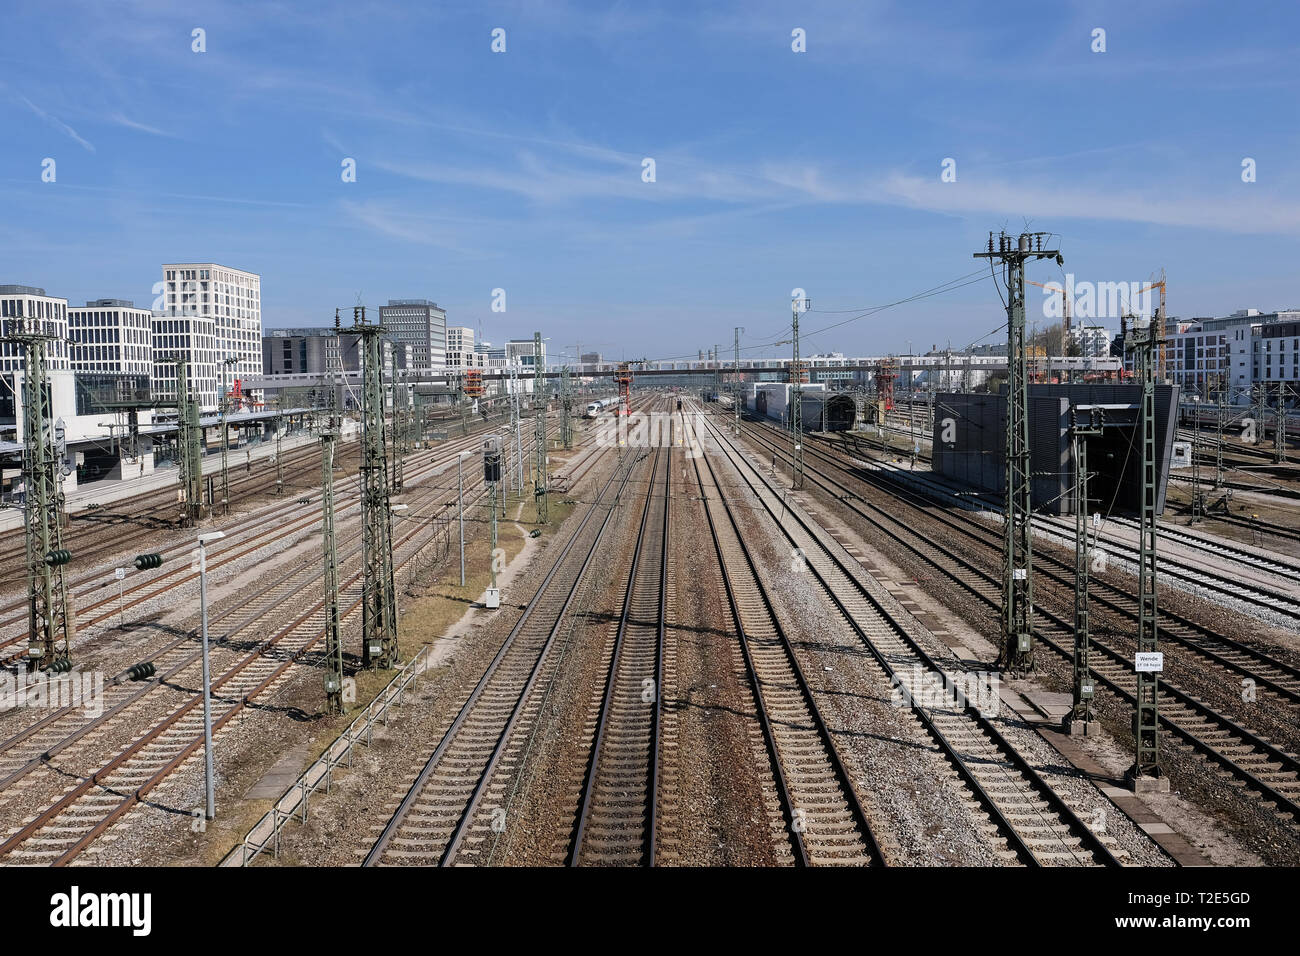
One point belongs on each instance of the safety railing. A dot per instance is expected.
(296, 801)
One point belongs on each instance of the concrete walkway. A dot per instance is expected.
(106, 492)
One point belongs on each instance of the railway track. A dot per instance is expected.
(1036, 826)
(617, 814)
(1239, 752)
(245, 537)
(1198, 579)
(442, 806)
(822, 818)
(38, 742)
(66, 828)
(242, 672)
(96, 531)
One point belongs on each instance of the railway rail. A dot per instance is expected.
(242, 672)
(1239, 752)
(618, 811)
(1037, 825)
(441, 805)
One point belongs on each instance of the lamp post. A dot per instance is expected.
(222, 407)
(460, 508)
(211, 806)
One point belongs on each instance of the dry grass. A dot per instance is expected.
(425, 619)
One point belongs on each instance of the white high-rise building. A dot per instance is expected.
(210, 314)
(111, 336)
(460, 347)
(47, 313)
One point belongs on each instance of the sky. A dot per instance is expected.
(774, 169)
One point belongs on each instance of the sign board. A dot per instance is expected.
(1020, 574)
(119, 573)
(1149, 662)
(1181, 456)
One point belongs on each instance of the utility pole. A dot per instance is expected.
(222, 404)
(1279, 421)
(566, 406)
(1218, 447)
(1145, 772)
(1017, 580)
(518, 428)
(1080, 720)
(539, 411)
(333, 635)
(50, 618)
(189, 439)
(399, 444)
(279, 456)
(735, 394)
(1198, 497)
(1260, 404)
(379, 601)
(796, 396)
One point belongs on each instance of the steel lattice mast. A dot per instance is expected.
(333, 636)
(796, 395)
(1142, 341)
(539, 411)
(566, 407)
(50, 617)
(1017, 578)
(328, 442)
(189, 441)
(379, 601)
(736, 383)
(1079, 720)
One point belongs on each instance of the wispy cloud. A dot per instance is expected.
(57, 123)
(129, 123)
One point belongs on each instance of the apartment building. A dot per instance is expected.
(212, 316)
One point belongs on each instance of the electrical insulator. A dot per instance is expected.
(57, 557)
(144, 562)
(141, 671)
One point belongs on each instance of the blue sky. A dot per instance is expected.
(774, 169)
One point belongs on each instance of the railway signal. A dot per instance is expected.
(492, 478)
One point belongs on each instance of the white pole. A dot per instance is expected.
(460, 508)
(207, 683)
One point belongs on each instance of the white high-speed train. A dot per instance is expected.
(598, 406)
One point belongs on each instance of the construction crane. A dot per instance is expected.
(1161, 340)
(1065, 303)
